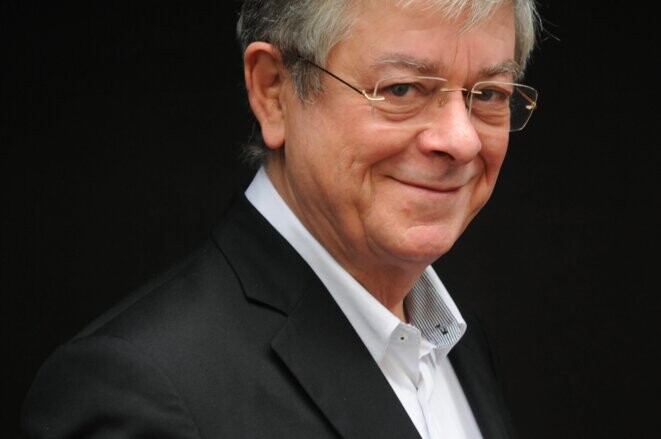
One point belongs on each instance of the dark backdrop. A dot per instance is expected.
(119, 150)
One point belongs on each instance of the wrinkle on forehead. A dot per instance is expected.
(421, 66)
(469, 13)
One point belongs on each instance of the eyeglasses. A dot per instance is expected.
(492, 105)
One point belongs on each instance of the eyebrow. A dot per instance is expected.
(422, 66)
(506, 67)
(429, 68)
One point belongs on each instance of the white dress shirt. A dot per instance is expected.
(413, 357)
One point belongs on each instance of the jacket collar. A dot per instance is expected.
(320, 347)
(474, 366)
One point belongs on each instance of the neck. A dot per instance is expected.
(388, 284)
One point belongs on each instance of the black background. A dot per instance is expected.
(120, 141)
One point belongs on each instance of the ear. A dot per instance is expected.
(262, 69)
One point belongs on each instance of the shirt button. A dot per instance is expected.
(444, 329)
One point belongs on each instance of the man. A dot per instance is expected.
(313, 310)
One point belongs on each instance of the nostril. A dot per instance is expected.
(441, 153)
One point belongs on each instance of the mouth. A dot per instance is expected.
(446, 188)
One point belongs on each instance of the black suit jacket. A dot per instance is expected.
(240, 341)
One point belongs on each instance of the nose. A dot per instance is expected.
(448, 129)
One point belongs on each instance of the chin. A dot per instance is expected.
(426, 244)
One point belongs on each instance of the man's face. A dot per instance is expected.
(378, 193)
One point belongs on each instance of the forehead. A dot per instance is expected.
(428, 41)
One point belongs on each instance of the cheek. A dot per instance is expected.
(380, 142)
(493, 154)
(356, 145)
(325, 155)
(492, 157)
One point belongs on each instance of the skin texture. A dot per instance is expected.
(385, 199)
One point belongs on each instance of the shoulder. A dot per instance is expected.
(88, 384)
(155, 358)
(187, 290)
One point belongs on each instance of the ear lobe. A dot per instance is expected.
(264, 82)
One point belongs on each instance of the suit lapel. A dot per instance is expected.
(474, 369)
(327, 357)
(317, 343)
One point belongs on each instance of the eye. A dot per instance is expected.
(406, 88)
(403, 96)
(399, 90)
(492, 94)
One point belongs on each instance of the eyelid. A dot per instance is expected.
(418, 82)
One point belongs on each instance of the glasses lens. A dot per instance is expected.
(403, 97)
(502, 106)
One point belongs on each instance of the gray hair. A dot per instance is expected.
(309, 29)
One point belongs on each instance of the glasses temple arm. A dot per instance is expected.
(357, 90)
(532, 104)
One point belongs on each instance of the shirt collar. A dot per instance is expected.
(429, 305)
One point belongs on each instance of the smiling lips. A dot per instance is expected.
(433, 187)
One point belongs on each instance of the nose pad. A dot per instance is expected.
(442, 99)
(444, 95)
